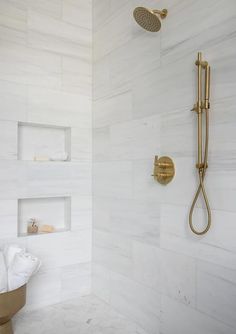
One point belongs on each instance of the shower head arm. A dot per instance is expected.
(163, 13)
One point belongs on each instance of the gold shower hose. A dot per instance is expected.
(201, 173)
(200, 108)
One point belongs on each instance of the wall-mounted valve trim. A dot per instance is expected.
(164, 170)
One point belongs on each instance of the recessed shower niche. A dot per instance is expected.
(50, 211)
(38, 142)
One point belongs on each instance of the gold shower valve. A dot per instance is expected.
(164, 170)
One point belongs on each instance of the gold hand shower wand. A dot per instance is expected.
(200, 107)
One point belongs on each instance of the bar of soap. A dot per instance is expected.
(42, 158)
(47, 228)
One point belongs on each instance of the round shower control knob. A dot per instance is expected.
(164, 170)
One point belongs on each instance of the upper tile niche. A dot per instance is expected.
(43, 143)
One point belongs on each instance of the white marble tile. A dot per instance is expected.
(138, 139)
(147, 264)
(77, 75)
(136, 219)
(75, 281)
(61, 249)
(50, 26)
(14, 16)
(13, 99)
(117, 30)
(101, 144)
(59, 108)
(77, 12)
(178, 277)
(190, 36)
(25, 65)
(81, 144)
(81, 213)
(44, 289)
(8, 140)
(8, 219)
(46, 7)
(113, 251)
(187, 320)
(113, 179)
(101, 282)
(216, 292)
(138, 302)
(113, 109)
(39, 179)
(86, 315)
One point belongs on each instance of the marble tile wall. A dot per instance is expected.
(146, 263)
(45, 78)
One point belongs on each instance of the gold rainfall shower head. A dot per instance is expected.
(148, 18)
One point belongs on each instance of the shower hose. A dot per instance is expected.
(201, 188)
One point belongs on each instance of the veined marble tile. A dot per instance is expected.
(58, 108)
(81, 144)
(113, 179)
(178, 277)
(25, 65)
(147, 264)
(77, 12)
(101, 13)
(8, 140)
(56, 44)
(113, 251)
(117, 30)
(216, 292)
(113, 109)
(81, 213)
(138, 302)
(13, 99)
(136, 219)
(138, 139)
(61, 249)
(46, 7)
(133, 59)
(50, 26)
(101, 144)
(187, 320)
(101, 79)
(188, 31)
(75, 281)
(44, 179)
(43, 289)
(178, 133)
(101, 213)
(86, 315)
(77, 76)
(101, 282)
(13, 14)
(161, 91)
(8, 218)
(175, 221)
(9, 179)
(12, 35)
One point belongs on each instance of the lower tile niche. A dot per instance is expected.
(55, 211)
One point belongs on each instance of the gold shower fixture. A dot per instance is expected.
(148, 18)
(202, 109)
(164, 170)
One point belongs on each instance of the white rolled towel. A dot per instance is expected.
(21, 269)
(3, 274)
(10, 251)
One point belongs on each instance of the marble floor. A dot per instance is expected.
(87, 315)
